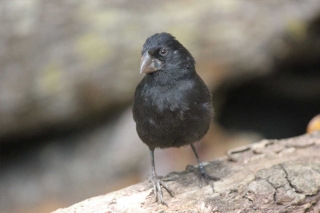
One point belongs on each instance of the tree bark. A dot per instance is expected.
(268, 176)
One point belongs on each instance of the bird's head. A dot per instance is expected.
(163, 53)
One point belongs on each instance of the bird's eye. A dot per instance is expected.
(163, 52)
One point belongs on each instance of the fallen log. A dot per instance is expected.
(268, 176)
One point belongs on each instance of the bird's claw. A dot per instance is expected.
(157, 183)
(203, 176)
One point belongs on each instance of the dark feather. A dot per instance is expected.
(172, 106)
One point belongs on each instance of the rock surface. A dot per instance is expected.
(64, 61)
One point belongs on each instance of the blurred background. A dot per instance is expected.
(69, 68)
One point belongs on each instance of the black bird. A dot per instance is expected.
(172, 105)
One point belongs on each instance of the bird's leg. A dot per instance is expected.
(201, 172)
(157, 183)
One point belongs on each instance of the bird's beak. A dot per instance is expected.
(149, 64)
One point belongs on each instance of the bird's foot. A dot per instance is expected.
(157, 190)
(203, 176)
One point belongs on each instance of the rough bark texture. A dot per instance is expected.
(269, 176)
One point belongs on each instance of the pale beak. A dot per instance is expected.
(149, 64)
